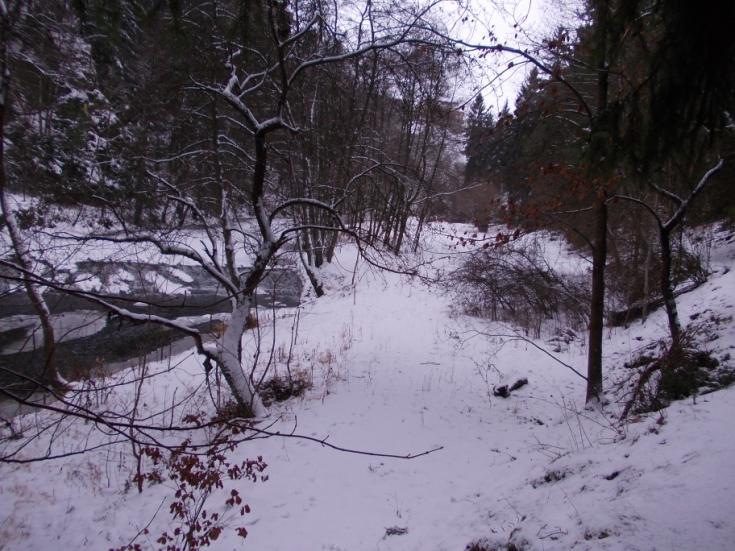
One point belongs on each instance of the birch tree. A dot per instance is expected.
(10, 14)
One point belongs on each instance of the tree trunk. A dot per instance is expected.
(647, 279)
(400, 230)
(229, 358)
(313, 279)
(333, 240)
(420, 227)
(597, 304)
(599, 152)
(667, 290)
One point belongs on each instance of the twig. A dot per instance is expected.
(323, 442)
(516, 336)
(142, 530)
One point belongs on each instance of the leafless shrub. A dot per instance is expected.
(514, 283)
(488, 545)
(279, 389)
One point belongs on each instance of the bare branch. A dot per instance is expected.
(519, 337)
(645, 205)
(679, 214)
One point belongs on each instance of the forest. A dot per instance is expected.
(263, 258)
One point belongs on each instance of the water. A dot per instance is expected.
(25, 332)
(90, 342)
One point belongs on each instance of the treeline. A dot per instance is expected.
(545, 165)
(119, 104)
(622, 135)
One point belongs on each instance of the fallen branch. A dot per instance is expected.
(518, 337)
(122, 426)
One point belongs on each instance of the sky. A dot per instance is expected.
(516, 22)
(519, 23)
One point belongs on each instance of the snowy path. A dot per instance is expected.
(406, 388)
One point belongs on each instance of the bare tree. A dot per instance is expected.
(10, 14)
(666, 226)
(249, 102)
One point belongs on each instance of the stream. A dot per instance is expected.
(91, 343)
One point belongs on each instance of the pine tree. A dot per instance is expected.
(478, 132)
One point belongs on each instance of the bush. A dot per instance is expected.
(197, 476)
(513, 282)
(280, 389)
(486, 545)
(674, 373)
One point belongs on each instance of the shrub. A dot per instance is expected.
(280, 389)
(197, 475)
(513, 282)
(665, 373)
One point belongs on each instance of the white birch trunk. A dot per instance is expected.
(229, 353)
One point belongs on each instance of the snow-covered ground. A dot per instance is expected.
(396, 369)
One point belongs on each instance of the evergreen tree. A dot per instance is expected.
(478, 132)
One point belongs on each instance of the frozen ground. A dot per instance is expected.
(396, 370)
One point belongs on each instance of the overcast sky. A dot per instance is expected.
(515, 22)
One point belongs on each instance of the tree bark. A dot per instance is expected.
(313, 279)
(597, 304)
(667, 289)
(599, 150)
(50, 373)
(229, 358)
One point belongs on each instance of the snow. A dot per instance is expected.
(396, 369)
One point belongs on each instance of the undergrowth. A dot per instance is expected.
(513, 282)
(281, 388)
(197, 475)
(664, 373)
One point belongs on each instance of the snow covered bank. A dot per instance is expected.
(396, 369)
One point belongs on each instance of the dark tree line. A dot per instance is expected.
(621, 124)
(109, 96)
